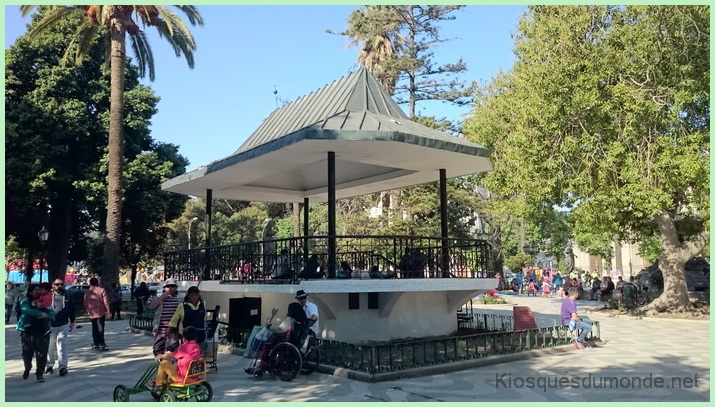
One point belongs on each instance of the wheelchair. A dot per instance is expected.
(193, 385)
(285, 360)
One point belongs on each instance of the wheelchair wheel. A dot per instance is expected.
(258, 374)
(285, 361)
(121, 393)
(311, 360)
(168, 396)
(204, 392)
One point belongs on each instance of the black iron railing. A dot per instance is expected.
(408, 355)
(283, 260)
(143, 322)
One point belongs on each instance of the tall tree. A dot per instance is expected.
(397, 45)
(117, 21)
(607, 111)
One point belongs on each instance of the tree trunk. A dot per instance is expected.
(395, 210)
(60, 235)
(296, 219)
(522, 234)
(672, 264)
(618, 256)
(133, 278)
(115, 146)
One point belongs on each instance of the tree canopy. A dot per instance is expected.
(606, 111)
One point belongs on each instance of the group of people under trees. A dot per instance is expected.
(558, 285)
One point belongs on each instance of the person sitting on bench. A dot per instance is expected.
(570, 317)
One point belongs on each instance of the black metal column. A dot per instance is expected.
(444, 222)
(331, 215)
(306, 229)
(207, 261)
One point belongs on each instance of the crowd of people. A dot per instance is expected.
(601, 289)
(46, 315)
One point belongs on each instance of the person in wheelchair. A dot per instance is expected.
(292, 329)
(188, 352)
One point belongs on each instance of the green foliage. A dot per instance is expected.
(489, 300)
(58, 117)
(650, 248)
(517, 261)
(13, 250)
(398, 42)
(595, 243)
(606, 111)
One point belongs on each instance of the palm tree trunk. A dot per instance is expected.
(115, 146)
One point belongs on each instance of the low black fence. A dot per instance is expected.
(284, 260)
(498, 339)
(413, 354)
(143, 322)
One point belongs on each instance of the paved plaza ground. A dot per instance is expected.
(676, 352)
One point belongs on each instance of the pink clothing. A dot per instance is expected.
(96, 302)
(45, 300)
(187, 353)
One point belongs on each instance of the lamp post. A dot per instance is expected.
(43, 235)
(530, 249)
(190, 223)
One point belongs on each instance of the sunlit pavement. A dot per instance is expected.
(641, 360)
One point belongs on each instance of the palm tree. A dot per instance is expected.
(118, 21)
(376, 30)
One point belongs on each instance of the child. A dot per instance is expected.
(560, 292)
(43, 304)
(547, 290)
(532, 288)
(188, 352)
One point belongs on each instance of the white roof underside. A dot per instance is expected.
(376, 149)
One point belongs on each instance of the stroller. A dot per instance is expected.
(209, 349)
(255, 343)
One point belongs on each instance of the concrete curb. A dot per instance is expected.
(443, 368)
(424, 370)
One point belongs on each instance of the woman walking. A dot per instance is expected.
(35, 337)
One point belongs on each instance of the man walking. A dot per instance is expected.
(96, 303)
(64, 321)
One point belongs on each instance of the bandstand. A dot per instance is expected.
(346, 139)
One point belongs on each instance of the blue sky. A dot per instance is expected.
(244, 52)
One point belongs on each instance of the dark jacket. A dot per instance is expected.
(67, 314)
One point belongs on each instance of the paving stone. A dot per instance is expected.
(634, 348)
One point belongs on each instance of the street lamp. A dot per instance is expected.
(531, 250)
(190, 223)
(43, 235)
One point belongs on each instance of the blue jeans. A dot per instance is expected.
(584, 325)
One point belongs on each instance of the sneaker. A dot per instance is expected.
(63, 371)
(40, 379)
(579, 345)
(26, 374)
(151, 384)
(95, 347)
(49, 370)
(103, 347)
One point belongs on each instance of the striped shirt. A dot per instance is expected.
(168, 307)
